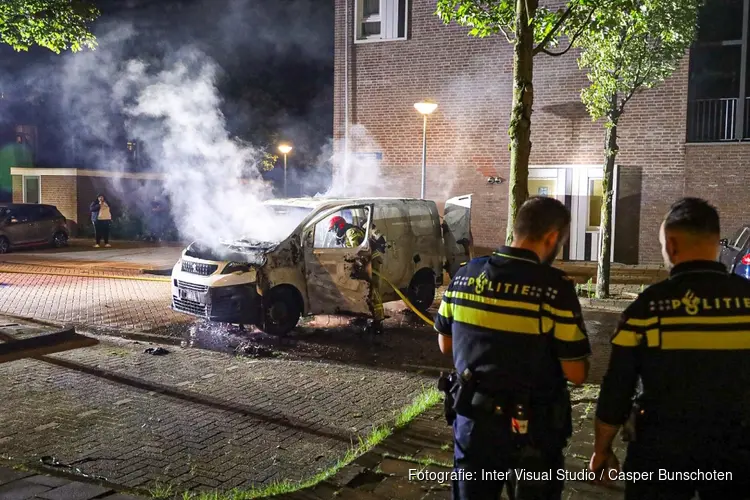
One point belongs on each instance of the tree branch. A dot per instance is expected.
(638, 81)
(540, 47)
(505, 33)
(548, 38)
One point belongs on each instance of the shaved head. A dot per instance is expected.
(690, 231)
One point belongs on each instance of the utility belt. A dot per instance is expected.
(644, 420)
(464, 396)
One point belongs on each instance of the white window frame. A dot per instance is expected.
(39, 184)
(742, 235)
(388, 19)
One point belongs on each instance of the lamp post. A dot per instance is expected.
(285, 149)
(425, 108)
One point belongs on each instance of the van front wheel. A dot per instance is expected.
(282, 310)
(422, 290)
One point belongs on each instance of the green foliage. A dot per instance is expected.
(54, 24)
(268, 161)
(491, 17)
(638, 45)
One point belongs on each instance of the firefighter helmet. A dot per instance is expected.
(337, 223)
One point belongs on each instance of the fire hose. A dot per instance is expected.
(405, 299)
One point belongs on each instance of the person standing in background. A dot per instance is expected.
(101, 216)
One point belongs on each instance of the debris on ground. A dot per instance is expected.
(156, 351)
(255, 351)
(51, 461)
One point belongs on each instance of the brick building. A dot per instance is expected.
(683, 138)
(71, 190)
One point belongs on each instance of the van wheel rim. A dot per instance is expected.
(278, 313)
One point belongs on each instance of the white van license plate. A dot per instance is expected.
(192, 296)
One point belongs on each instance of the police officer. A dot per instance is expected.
(514, 326)
(687, 339)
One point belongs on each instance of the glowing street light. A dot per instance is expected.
(285, 149)
(425, 108)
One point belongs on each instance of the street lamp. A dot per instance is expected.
(285, 149)
(425, 108)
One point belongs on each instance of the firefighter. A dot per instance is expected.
(352, 236)
(514, 326)
(683, 349)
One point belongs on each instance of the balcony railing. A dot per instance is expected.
(713, 120)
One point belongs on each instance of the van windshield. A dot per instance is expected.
(274, 223)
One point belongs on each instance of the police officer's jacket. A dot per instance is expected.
(688, 339)
(512, 319)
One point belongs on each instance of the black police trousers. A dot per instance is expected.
(716, 469)
(486, 449)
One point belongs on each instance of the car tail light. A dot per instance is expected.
(746, 259)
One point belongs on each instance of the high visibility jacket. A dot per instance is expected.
(512, 319)
(687, 339)
(354, 237)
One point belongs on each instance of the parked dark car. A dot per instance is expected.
(735, 252)
(30, 225)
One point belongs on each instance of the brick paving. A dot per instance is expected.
(201, 419)
(124, 255)
(116, 303)
(22, 485)
(426, 445)
(193, 418)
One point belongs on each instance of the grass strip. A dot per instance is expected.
(426, 399)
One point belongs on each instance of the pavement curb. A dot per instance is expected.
(35, 468)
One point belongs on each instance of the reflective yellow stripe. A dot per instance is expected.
(705, 320)
(446, 309)
(514, 257)
(568, 332)
(496, 321)
(652, 337)
(558, 312)
(547, 324)
(705, 340)
(493, 302)
(626, 338)
(642, 322)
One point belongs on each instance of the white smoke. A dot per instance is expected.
(216, 193)
(173, 107)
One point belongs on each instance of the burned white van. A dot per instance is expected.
(272, 284)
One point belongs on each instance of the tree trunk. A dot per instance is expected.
(520, 114)
(605, 227)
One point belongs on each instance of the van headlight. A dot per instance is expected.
(236, 267)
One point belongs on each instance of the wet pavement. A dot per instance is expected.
(125, 306)
(223, 407)
(406, 344)
(190, 417)
(80, 254)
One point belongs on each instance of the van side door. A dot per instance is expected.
(338, 277)
(457, 237)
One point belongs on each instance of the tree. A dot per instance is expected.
(638, 46)
(55, 24)
(532, 30)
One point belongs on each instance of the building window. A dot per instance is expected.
(32, 189)
(719, 87)
(596, 196)
(380, 20)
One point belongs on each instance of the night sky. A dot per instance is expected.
(275, 60)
